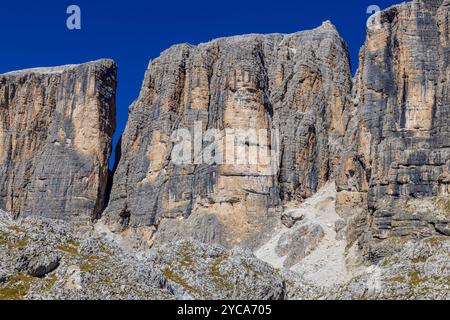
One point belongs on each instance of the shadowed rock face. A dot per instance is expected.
(56, 126)
(402, 126)
(295, 84)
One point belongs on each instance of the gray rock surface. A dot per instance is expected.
(400, 133)
(97, 267)
(44, 259)
(419, 271)
(212, 272)
(38, 261)
(290, 217)
(56, 126)
(385, 140)
(298, 243)
(295, 84)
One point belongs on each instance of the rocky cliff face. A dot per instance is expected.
(293, 89)
(56, 126)
(45, 259)
(401, 128)
(384, 139)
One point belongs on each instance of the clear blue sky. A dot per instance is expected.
(34, 33)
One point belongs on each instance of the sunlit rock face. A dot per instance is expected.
(402, 122)
(56, 126)
(291, 87)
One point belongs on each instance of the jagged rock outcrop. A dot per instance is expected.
(43, 258)
(384, 139)
(293, 86)
(401, 127)
(56, 126)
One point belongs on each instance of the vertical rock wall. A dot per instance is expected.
(56, 126)
(294, 86)
(401, 158)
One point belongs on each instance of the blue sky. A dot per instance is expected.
(34, 33)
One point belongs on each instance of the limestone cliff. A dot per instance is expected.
(400, 163)
(292, 87)
(261, 141)
(56, 126)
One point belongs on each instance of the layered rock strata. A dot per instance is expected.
(401, 132)
(44, 259)
(56, 126)
(290, 89)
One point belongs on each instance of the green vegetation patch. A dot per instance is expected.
(171, 275)
(88, 267)
(92, 263)
(12, 241)
(73, 243)
(415, 279)
(442, 203)
(185, 253)
(88, 263)
(419, 260)
(436, 240)
(16, 229)
(219, 279)
(70, 249)
(50, 281)
(250, 268)
(17, 287)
